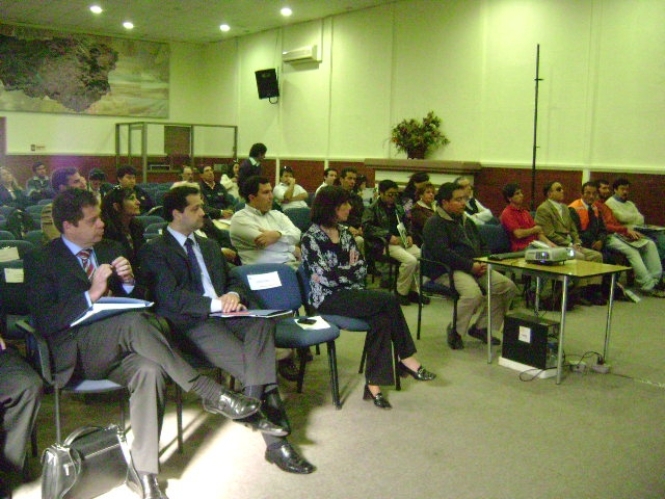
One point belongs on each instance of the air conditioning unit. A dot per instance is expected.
(303, 54)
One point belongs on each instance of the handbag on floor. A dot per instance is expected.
(90, 462)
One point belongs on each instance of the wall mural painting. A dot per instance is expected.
(55, 72)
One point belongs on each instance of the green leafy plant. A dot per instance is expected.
(417, 138)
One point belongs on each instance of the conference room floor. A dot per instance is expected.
(477, 431)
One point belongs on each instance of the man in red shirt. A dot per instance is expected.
(518, 222)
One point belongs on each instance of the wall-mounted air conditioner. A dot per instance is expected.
(303, 54)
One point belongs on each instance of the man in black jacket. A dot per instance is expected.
(190, 280)
(450, 237)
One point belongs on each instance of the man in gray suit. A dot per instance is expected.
(558, 226)
(72, 272)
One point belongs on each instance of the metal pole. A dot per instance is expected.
(535, 132)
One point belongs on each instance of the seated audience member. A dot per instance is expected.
(38, 186)
(190, 280)
(126, 176)
(518, 222)
(558, 226)
(252, 165)
(366, 193)
(329, 178)
(20, 398)
(421, 211)
(186, 176)
(473, 209)
(64, 278)
(288, 193)
(627, 213)
(11, 193)
(97, 184)
(347, 178)
(451, 238)
(640, 251)
(230, 180)
(61, 180)
(261, 234)
(409, 196)
(382, 223)
(215, 195)
(337, 286)
(119, 210)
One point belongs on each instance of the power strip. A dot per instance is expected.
(601, 368)
(578, 366)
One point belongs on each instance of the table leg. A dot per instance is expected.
(489, 313)
(608, 325)
(564, 304)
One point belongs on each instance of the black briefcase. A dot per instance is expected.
(90, 462)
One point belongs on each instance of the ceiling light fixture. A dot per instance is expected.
(128, 25)
(96, 9)
(286, 12)
(224, 27)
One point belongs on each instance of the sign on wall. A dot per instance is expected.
(55, 72)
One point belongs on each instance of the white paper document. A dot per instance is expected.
(268, 314)
(268, 280)
(108, 306)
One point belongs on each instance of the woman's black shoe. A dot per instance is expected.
(421, 374)
(379, 400)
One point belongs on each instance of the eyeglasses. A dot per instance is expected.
(461, 199)
(558, 189)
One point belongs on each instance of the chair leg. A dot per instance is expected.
(58, 429)
(398, 380)
(122, 411)
(33, 441)
(178, 411)
(334, 380)
(302, 355)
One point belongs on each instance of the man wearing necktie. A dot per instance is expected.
(65, 277)
(189, 280)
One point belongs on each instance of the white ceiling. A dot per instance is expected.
(173, 20)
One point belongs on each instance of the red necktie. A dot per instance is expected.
(88, 266)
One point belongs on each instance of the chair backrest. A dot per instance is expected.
(22, 246)
(35, 208)
(301, 217)
(149, 219)
(44, 201)
(303, 280)
(155, 228)
(13, 297)
(5, 234)
(495, 237)
(285, 294)
(36, 237)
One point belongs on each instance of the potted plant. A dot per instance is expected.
(416, 138)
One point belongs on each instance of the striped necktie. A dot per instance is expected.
(86, 261)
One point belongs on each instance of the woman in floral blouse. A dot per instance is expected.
(337, 282)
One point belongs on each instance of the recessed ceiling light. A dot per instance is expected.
(128, 25)
(286, 12)
(224, 27)
(96, 9)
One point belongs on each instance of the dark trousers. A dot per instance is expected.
(20, 398)
(132, 352)
(387, 324)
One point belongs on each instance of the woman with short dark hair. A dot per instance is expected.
(337, 286)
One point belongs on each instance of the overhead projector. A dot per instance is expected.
(538, 252)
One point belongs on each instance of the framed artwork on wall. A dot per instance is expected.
(56, 72)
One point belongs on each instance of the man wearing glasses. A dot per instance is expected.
(451, 238)
(558, 226)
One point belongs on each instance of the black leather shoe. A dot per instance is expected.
(454, 339)
(260, 422)
(421, 374)
(150, 487)
(232, 405)
(288, 369)
(287, 459)
(481, 334)
(379, 400)
(415, 298)
(403, 300)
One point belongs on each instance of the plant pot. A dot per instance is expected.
(416, 153)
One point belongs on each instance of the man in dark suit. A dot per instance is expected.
(252, 165)
(69, 274)
(190, 280)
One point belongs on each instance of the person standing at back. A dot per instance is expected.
(252, 165)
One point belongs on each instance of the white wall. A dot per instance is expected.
(602, 104)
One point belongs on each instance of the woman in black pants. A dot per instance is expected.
(337, 282)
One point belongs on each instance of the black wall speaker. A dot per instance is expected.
(266, 81)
